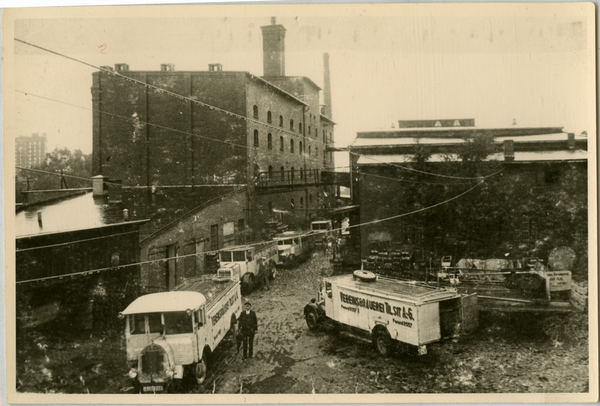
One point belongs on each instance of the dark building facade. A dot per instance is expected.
(171, 143)
(532, 199)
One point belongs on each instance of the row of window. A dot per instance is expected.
(292, 127)
(292, 173)
(301, 147)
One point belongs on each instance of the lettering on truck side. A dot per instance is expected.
(383, 307)
(217, 316)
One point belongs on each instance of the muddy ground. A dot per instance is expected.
(508, 353)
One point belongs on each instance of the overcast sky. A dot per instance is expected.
(387, 64)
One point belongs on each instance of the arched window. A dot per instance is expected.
(300, 147)
(291, 146)
(269, 118)
(280, 121)
(300, 128)
(292, 174)
(282, 173)
(301, 173)
(316, 132)
(269, 141)
(255, 109)
(309, 150)
(270, 172)
(301, 202)
(309, 131)
(292, 204)
(291, 124)
(281, 144)
(256, 138)
(270, 207)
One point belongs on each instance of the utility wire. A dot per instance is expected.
(162, 90)
(259, 243)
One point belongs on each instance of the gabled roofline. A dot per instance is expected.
(305, 78)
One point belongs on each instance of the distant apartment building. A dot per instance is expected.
(30, 151)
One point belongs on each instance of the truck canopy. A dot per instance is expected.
(166, 302)
(386, 287)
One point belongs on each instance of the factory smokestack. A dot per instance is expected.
(273, 49)
(327, 110)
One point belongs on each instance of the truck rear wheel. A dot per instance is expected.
(382, 341)
(312, 320)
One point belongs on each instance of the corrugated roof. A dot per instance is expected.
(372, 142)
(166, 302)
(520, 156)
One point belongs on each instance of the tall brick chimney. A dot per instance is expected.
(273, 49)
(327, 109)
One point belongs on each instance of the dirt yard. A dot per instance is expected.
(525, 354)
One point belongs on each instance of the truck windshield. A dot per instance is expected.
(225, 256)
(178, 323)
(137, 324)
(239, 256)
(284, 242)
(154, 323)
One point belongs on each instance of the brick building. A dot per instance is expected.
(30, 151)
(540, 189)
(180, 142)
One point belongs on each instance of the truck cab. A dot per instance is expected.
(293, 246)
(172, 334)
(322, 230)
(247, 258)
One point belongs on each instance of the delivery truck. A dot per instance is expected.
(389, 311)
(170, 335)
(294, 246)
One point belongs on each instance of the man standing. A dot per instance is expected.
(248, 325)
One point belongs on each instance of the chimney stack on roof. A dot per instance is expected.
(327, 109)
(273, 49)
(122, 67)
(167, 67)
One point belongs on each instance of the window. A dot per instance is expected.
(301, 174)
(255, 109)
(310, 198)
(282, 173)
(301, 202)
(228, 228)
(270, 207)
(269, 141)
(300, 147)
(291, 124)
(292, 146)
(309, 150)
(178, 323)
(137, 324)
(292, 204)
(155, 322)
(300, 128)
(316, 132)
(281, 144)
(280, 121)
(316, 151)
(292, 173)
(241, 225)
(270, 172)
(324, 137)
(309, 131)
(269, 118)
(256, 138)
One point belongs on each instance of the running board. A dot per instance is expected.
(355, 336)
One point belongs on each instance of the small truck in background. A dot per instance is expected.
(248, 257)
(170, 335)
(294, 246)
(389, 312)
(323, 230)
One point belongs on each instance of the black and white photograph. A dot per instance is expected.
(319, 203)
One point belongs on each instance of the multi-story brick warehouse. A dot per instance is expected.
(263, 137)
(30, 151)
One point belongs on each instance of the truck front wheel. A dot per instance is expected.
(382, 341)
(201, 369)
(312, 320)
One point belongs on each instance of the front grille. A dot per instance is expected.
(152, 360)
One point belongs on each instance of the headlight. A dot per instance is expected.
(132, 373)
(169, 373)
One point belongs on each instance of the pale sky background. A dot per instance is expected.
(492, 66)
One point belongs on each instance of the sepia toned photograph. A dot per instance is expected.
(362, 203)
